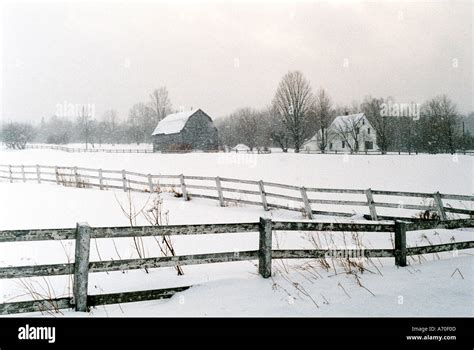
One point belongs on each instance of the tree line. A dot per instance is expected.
(295, 114)
(85, 128)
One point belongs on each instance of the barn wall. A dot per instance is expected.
(163, 142)
(200, 132)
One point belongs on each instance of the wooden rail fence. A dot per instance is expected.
(91, 150)
(82, 266)
(255, 151)
(376, 204)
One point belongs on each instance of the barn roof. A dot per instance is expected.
(173, 123)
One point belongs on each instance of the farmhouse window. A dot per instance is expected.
(343, 144)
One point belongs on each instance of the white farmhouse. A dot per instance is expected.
(347, 133)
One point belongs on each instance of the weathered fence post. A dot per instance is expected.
(101, 180)
(370, 203)
(439, 206)
(183, 187)
(219, 191)
(307, 206)
(11, 174)
(150, 183)
(56, 172)
(400, 243)
(23, 175)
(124, 180)
(76, 176)
(38, 173)
(265, 248)
(81, 266)
(262, 194)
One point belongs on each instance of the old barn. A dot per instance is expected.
(189, 130)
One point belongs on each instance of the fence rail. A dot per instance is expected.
(311, 201)
(92, 300)
(82, 266)
(92, 150)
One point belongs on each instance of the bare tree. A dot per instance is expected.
(227, 131)
(279, 133)
(17, 135)
(264, 132)
(441, 119)
(85, 126)
(347, 128)
(372, 108)
(323, 113)
(111, 125)
(57, 130)
(466, 127)
(247, 126)
(111, 118)
(136, 116)
(160, 104)
(292, 103)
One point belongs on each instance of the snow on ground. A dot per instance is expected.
(411, 291)
(444, 173)
(428, 287)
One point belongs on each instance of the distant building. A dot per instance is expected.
(241, 148)
(189, 130)
(346, 134)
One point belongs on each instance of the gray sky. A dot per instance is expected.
(223, 55)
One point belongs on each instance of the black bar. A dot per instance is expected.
(350, 333)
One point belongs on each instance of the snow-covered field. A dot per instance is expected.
(433, 285)
(444, 173)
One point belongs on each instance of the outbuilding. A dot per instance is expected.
(185, 131)
(241, 148)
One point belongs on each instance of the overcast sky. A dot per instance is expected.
(223, 55)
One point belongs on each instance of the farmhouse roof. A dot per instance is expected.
(343, 120)
(174, 123)
(340, 122)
